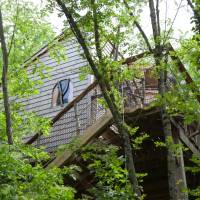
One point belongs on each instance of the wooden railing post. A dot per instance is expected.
(77, 119)
(143, 91)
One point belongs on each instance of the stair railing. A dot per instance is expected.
(73, 109)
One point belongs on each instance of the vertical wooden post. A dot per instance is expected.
(143, 91)
(93, 106)
(38, 141)
(132, 92)
(137, 90)
(77, 119)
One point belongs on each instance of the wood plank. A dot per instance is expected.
(182, 69)
(186, 140)
(132, 59)
(111, 137)
(93, 131)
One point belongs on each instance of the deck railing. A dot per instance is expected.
(85, 110)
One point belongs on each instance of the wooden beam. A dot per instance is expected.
(113, 138)
(135, 58)
(91, 132)
(185, 139)
(194, 134)
(182, 69)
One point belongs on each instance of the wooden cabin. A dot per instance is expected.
(72, 105)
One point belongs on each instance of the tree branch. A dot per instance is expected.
(14, 29)
(139, 28)
(158, 16)
(190, 4)
(96, 31)
(196, 15)
(153, 21)
(5, 82)
(12, 40)
(166, 35)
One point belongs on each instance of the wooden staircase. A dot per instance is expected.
(90, 133)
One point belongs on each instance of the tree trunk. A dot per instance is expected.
(5, 83)
(171, 160)
(104, 85)
(174, 191)
(180, 169)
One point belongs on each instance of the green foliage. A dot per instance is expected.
(20, 180)
(84, 71)
(26, 30)
(194, 169)
(111, 177)
(136, 139)
(136, 143)
(57, 51)
(181, 97)
(114, 22)
(22, 175)
(176, 149)
(196, 17)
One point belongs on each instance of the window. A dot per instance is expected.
(62, 93)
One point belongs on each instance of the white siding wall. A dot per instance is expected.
(70, 68)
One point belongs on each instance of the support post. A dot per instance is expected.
(77, 120)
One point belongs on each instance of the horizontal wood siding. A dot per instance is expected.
(41, 103)
(66, 127)
(69, 68)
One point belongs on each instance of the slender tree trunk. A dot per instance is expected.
(5, 83)
(104, 85)
(180, 168)
(174, 190)
(171, 160)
